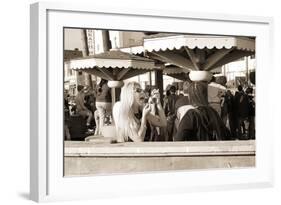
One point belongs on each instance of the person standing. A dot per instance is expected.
(66, 116)
(169, 107)
(228, 113)
(103, 105)
(184, 100)
(216, 94)
(241, 101)
(251, 118)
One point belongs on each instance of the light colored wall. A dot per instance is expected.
(116, 39)
(238, 68)
(132, 38)
(73, 38)
(98, 41)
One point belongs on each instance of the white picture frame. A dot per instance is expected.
(46, 179)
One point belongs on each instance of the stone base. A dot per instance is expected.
(101, 157)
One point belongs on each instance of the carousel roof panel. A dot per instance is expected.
(111, 59)
(117, 54)
(164, 42)
(198, 41)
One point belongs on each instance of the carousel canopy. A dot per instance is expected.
(158, 43)
(163, 42)
(112, 59)
(195, 52)
(112, 65)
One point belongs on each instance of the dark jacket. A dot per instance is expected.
(242, 104)
(201, 124)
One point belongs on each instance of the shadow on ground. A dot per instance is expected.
(24, 195)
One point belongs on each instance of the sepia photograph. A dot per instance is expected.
(143, 101)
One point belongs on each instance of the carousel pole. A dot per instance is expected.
(149, 78)
(159, 82)
(198, 74)
(106, 47)
(115, 85)
(201, 76)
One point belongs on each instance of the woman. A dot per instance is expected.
(200, 121)
(103, 105)
(132, 116)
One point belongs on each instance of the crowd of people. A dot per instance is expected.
(184, 117)
(195, 114)
(94, 105)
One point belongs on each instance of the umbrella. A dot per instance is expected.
(195, 52)
(112, 65)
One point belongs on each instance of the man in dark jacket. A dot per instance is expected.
(169, 107)
(241, 103)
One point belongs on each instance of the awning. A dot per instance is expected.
(198, 41)
(195, 52)
(112, 65)
(112, 59)
(174, 42)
